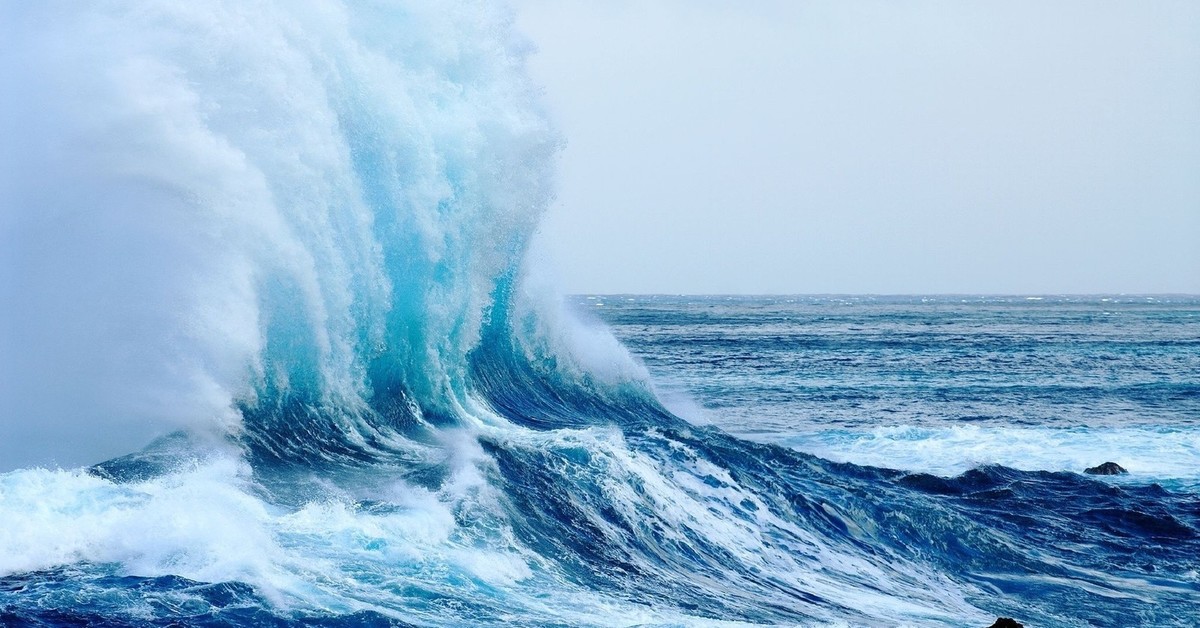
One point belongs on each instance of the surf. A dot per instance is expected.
(274, 352)
(221, 211)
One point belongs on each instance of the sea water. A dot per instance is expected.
(937, 384)
(272, 352)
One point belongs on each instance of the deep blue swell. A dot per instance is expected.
(1036, 545)
(1049, 548)
(297, 235)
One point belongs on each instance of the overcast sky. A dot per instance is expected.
(872, 147)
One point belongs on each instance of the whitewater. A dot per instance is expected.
(274, 351)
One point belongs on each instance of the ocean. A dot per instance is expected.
(274, 352)
(935, 384)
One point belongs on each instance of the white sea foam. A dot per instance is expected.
(695, 499)
(334, 554)
(1164, 455)
(200, 197)
(200, 524)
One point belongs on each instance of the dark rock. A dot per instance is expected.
(1108, 468)
(1007, 622)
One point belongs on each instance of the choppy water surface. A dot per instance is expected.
(271, 355)
(937, 384)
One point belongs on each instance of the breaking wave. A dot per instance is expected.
(286, 243)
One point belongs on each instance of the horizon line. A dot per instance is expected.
(1024, 295)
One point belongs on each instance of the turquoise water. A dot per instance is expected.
(271, 355)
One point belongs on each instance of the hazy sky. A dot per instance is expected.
(885, 147)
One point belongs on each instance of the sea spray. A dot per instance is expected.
(284, 244)
(223, 204)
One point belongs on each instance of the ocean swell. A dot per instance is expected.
(279, 208)
(284, 243)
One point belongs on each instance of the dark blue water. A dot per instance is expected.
(582, 503)
(273, 352)
(934, 383)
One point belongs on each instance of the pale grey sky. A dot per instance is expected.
(885, 147)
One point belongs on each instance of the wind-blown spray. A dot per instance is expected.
(287, 239)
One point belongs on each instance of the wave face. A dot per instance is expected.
(287, 208)
(286, 241)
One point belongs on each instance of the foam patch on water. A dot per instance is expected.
(200, 524)
(691, 502)
(401, 551)
(1167, 456)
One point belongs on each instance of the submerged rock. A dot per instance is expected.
(1007, 622)
(1108, 468)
